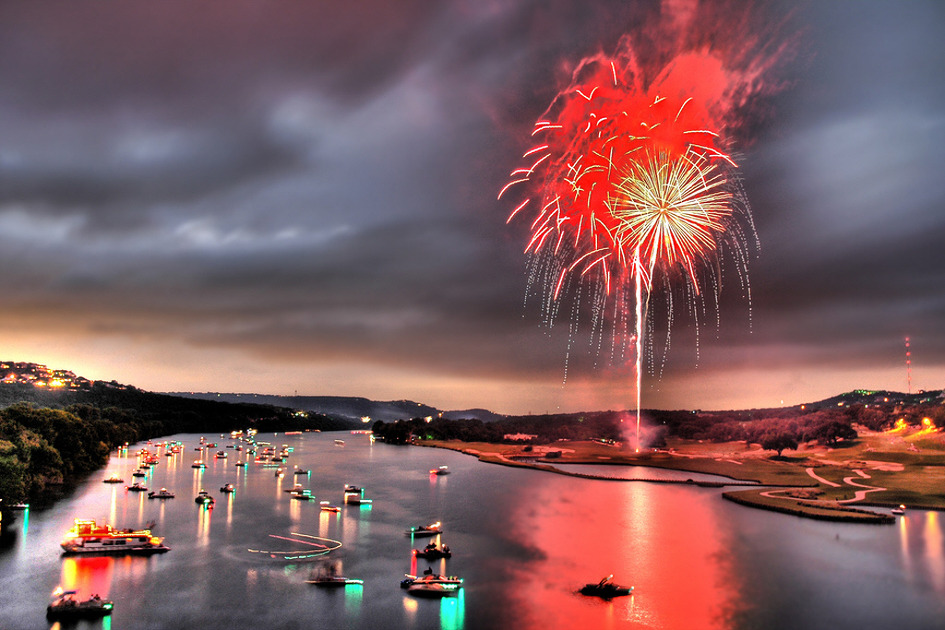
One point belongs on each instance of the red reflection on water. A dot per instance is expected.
(671, 550)
(87, 574)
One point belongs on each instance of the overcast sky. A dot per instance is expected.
(283, 197)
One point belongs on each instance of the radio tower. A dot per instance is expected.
(908, 367)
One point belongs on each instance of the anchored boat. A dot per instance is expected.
(88, 537)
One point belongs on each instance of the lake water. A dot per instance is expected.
(523, 540)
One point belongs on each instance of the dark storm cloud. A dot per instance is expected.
(849, 190)
(317, 181)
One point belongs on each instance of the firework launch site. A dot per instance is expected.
(843, 462)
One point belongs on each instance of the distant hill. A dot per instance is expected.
(877, 397)
(352, 408)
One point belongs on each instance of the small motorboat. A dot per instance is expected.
(352, 489)
(203, 498)
(140, 473)
(280, 472)
(425, 530)
(327, 507)
(240, 464)
(300, 471)
(220, 455)
(198, 463)
(228, 488)
(899, 510)
(606, 589)
(433, 552)
(66, 606)
(113, 478)
(327, 576)
(136, 487)
(163, 493)
(434, 589)
(428, 578)
(442, 470)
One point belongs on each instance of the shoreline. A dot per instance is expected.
(760, 481)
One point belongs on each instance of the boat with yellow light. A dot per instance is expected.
(87, 537)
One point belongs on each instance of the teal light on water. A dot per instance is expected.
(354, 593)
(453, 611)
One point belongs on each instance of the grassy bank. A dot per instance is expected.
(878, 469)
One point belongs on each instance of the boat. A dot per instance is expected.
(429, 577)
(425, 530)
(66, 606)
(899, 510)
(113, 478)
(88, 537)
(300, 471)
(198, 463)
(280, 472)
(357, 499)
(339, 442)
(433, 552)
(220, 455)
(203, 498)
(327, 507)
(163, 493)
(139, 473)
(606, 589)
(328, 577)
(352, 489)
(228, 488)
(434, 589)
(442, 470)
(240, 463)
(136, 487)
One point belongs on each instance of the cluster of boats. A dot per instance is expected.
(89, 537)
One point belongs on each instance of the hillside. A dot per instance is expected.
(348, 407)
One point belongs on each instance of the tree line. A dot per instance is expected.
(773, 429)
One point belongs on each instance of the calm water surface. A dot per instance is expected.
(524, 541)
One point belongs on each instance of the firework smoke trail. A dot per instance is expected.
(630, 181)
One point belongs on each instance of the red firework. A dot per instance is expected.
(626, 179)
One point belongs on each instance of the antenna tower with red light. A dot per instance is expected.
(908, 367)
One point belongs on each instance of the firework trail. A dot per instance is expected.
(630, 186)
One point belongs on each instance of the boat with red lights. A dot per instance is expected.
(88, 537)
(433, 552)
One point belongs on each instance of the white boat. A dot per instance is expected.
(430, 579)
(425, 530)
(163, 493)
(899, 510)
(434, 589)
